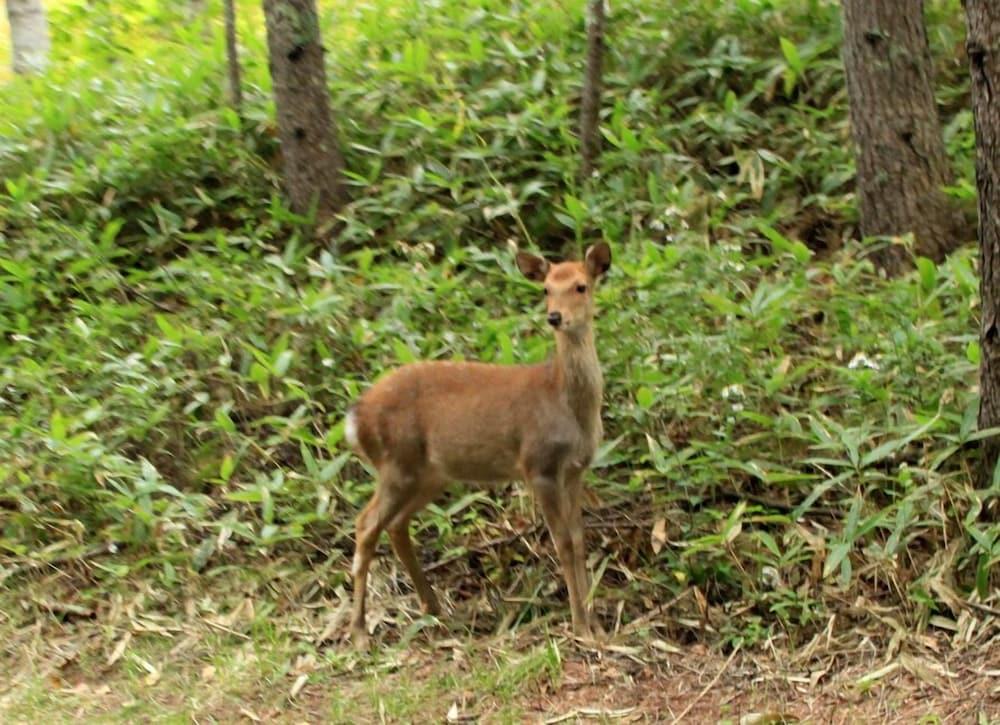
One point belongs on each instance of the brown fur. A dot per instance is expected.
(431, 423)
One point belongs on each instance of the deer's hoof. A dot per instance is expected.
(591, 633)
(360, 639)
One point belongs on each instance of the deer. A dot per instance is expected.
(429, 424)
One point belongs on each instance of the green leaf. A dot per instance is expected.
(223, 421)
(972, 353)
(734, 523)
(308, 459)
(791, 54)
(769, 543)
(334, 467)
(644, 397)
(172, 333)
(403, 352)
(838, 552)
(18, 270)
(928, 273)
(797, 249)
(334, 435)
(226, 467)
(266, 505)
(891, 446)
(576, 208)
(720, 303)
(506, 356)
(110, 232)
(203, 553)
(603, 456)
(258, 373)
(57, 426)
(282, 363)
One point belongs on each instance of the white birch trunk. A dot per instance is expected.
(29, 35)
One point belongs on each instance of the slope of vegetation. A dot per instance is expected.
(789, 436)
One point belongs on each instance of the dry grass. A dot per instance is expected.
(230, 649)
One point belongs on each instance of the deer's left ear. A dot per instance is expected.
(598, 259)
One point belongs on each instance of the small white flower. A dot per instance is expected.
(861, 360)
(771, 577)
(732, 391)
(737, 407)
(656, 225)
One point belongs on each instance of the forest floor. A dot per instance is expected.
(127, 660)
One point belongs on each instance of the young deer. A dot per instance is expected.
(431, 423)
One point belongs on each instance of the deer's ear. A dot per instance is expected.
(598, 259)
(532, 266)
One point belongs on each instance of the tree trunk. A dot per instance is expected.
(590, 107)
(312, 160)
(232, 57)
(29, 35)
(983, 43)
(901, 161)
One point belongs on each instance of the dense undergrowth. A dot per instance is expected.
(786, 430)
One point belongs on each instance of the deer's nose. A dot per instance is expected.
(555, 319)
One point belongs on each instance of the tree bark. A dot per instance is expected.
(983, 43)
(901, 160)
(590, 107)
(29, 35)
(312, 160)
(232, 57)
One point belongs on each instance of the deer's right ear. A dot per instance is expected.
(532, 266)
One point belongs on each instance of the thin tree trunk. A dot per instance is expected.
(29, 35)
(901, 160)
(312, 160)
(590, 107)
(232, 57)
(983, 43)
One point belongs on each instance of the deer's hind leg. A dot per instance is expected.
(402, 544)
(393, 492)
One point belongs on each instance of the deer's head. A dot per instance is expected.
(569, 286)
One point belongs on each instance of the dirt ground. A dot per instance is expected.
(550, 679)
(224, 651)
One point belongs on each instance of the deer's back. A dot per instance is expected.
(465, 421)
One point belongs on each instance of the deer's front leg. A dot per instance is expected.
(551, 495)
(574, 499)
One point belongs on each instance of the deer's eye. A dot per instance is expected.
(545, 290)
(581, 288)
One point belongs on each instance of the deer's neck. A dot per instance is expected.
(578, 375)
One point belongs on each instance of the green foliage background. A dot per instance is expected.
(176, 354)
